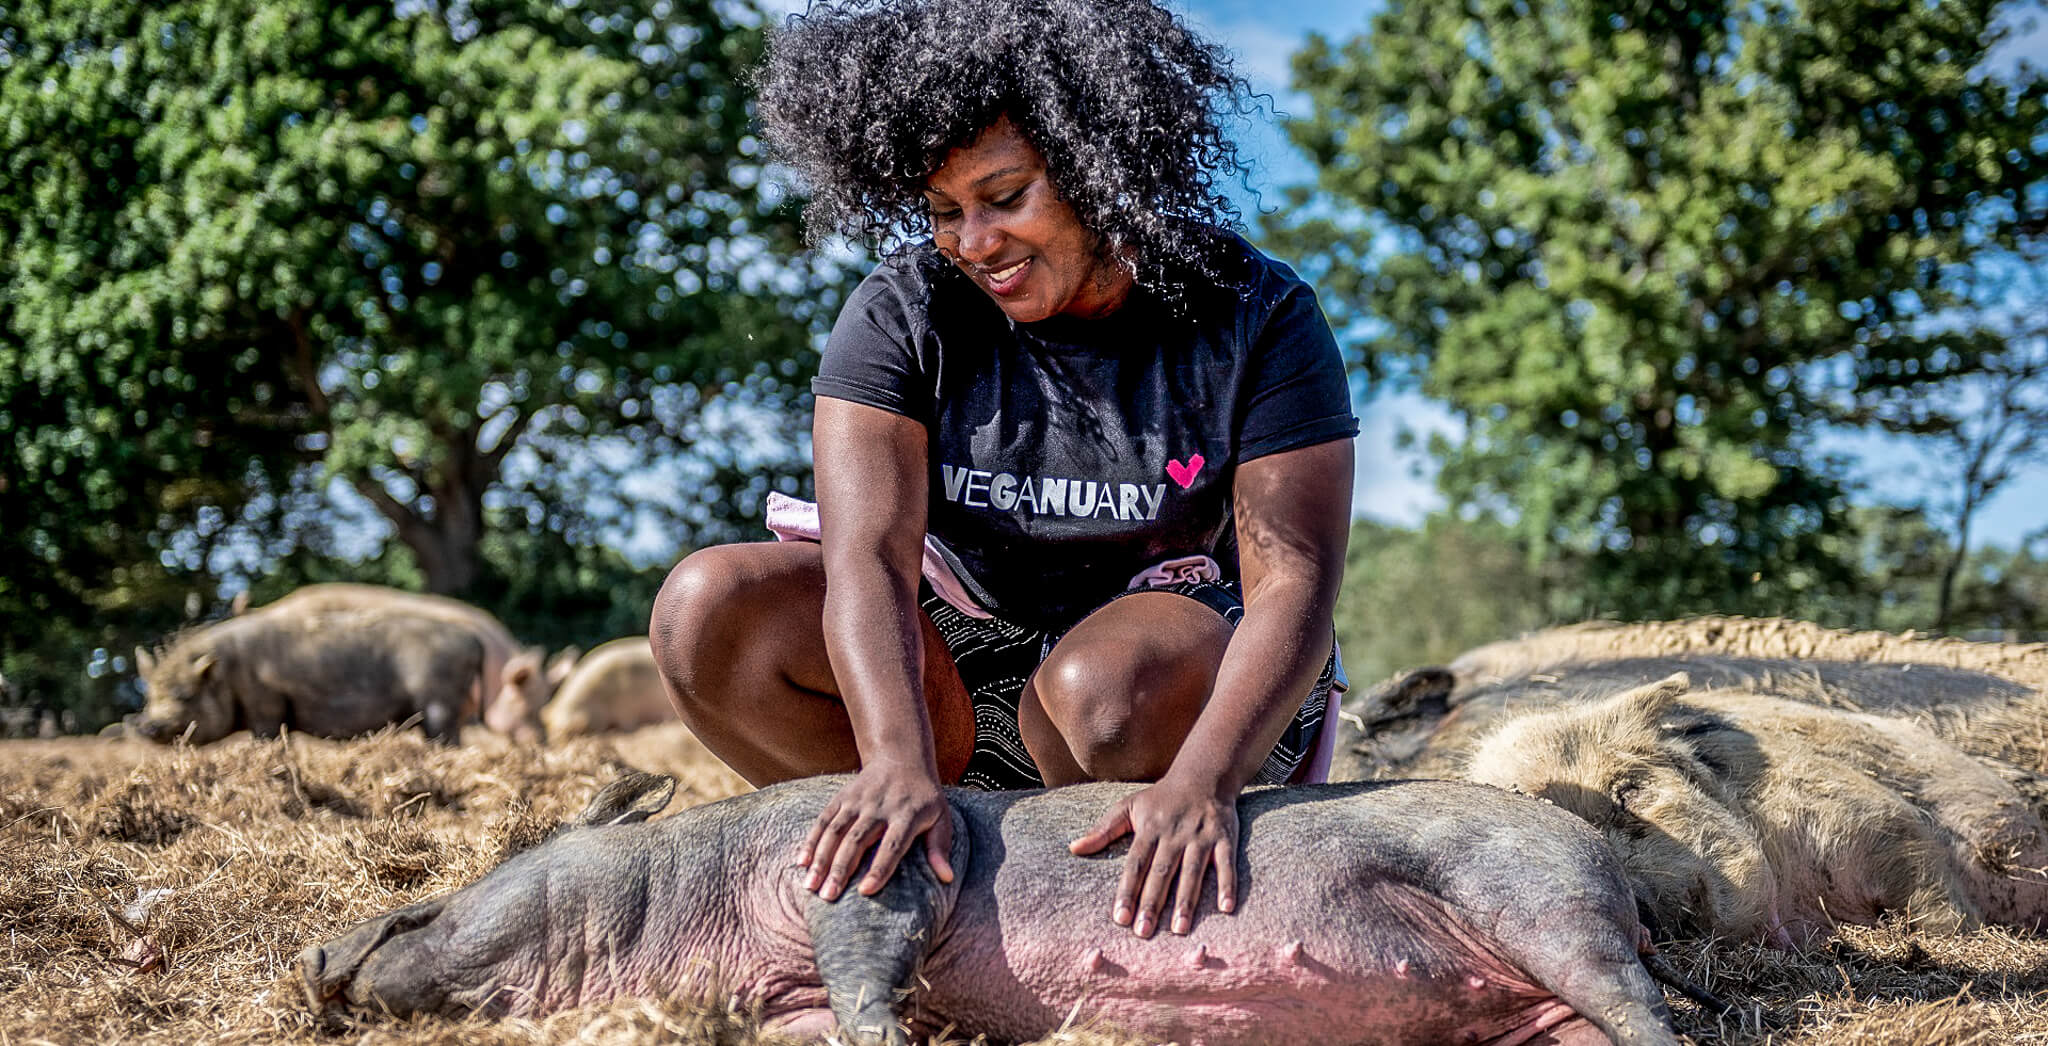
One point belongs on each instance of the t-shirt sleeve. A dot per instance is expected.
(1298, 395)
(872, 354)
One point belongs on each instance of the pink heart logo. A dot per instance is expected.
(1184, 474)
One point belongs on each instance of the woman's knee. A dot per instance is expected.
(1123, 715)
(702, 580)
(698, 625)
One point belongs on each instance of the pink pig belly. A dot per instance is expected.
(1400, 971)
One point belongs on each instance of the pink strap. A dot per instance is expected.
(1175, 571)
(1326, 742)
(794, 519)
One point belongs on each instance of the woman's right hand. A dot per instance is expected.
(886, 808)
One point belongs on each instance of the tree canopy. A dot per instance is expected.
(250, 249)
(1653, 252)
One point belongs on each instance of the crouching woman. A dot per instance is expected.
(1083, 455)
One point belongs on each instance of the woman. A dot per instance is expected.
(1126, 431)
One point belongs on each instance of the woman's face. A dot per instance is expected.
(995, 213)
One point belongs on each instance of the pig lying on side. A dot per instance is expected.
(1747, 816)
(1393, 912)
(334, 675)
(614, 687)
(1424, 724)
(1889, 665)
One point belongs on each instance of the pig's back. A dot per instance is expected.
(614, 687)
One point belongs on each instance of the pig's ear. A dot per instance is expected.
(1422, 691)
(634, 797)
(564, 662)
(239, 605)
(144, 660)
(1652, 701)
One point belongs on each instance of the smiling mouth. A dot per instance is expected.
(1006, 279)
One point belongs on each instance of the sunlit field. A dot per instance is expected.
(160, 895)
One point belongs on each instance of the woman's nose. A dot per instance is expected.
(977, 238)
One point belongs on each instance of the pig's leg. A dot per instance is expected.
(442, 722)
(1593, 968)
(868, 948)
(263, 712)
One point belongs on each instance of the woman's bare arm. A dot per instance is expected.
(872, 473)
(1293, 518)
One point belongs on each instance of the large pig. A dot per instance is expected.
(1425, 723)
(1738, 815)
(614, 687)
(515, 683)
(336, 675)
(1404, 912)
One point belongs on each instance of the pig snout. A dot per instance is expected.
(456, 951)
(161, 731)
(517, 941)
(384, 963)
(514, 714)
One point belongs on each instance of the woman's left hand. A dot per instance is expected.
(1177, 832)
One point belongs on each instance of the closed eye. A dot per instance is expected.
(1699, 727)
(1623, 792)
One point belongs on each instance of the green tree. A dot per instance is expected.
(248, 247)
(1897, 556)
(1987, 427)
(1420, 597)
(1915, 577)
(2003, 593)
(1651, 250)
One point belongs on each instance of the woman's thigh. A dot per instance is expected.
(738, 634)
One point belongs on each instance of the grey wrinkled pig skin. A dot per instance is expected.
(1385, 912)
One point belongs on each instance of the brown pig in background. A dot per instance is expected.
(515, 683)
(334, 675)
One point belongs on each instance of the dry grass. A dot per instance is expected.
(251, 850)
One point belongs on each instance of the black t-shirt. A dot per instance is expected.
(1069, 455)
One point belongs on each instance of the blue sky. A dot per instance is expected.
(1396, 486)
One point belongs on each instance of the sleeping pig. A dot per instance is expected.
(1384, 912)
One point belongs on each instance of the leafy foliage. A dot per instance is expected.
(1653, 251)
(1423, 596)
(248, 249)
(1986, 428)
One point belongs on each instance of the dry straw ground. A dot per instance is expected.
(160, 895)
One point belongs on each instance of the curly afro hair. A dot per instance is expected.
(865, 98)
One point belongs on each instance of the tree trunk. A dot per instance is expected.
(444, 539)
(448, 553)
(1944, 600)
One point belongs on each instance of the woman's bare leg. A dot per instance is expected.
(1120, 691)
(738, 633)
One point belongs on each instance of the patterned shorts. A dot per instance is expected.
(996, 657)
